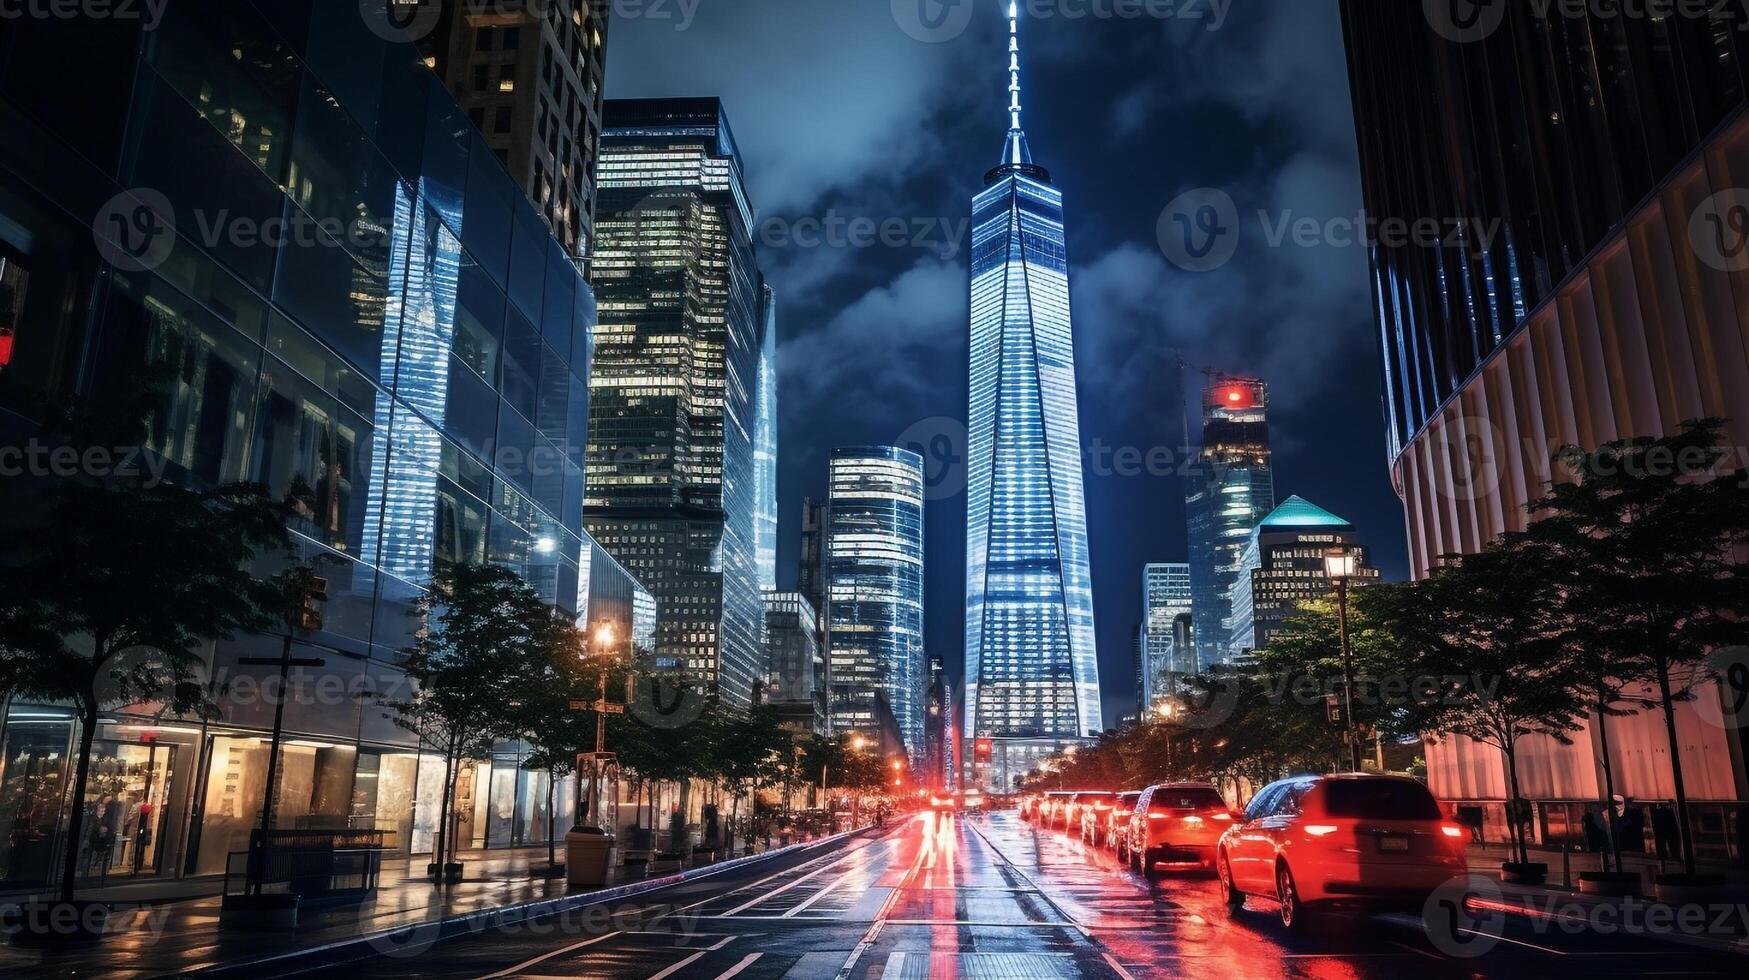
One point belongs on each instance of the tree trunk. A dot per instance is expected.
(440, 849)
(552, 843)
(1614, 851)
(1513, 804)
(1667, 703)
(76, 809)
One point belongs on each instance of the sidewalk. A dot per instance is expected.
(1719, 926)
(184, 936)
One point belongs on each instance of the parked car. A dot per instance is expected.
(1175, 825)
(1079, 804)
(1095, 815)
(1117, 820)
(1050, 808)
(1343, 840)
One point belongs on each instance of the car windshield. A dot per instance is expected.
(1379, 799)
(1190, 798)
(1091, 797)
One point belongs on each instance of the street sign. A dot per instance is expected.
(1333, 709)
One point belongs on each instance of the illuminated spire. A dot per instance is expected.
(1016, 151)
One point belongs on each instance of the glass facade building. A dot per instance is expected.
(1165, 596)
(294, 215)
(1032, 676)
(1589, 169)
(1231, 489)
(674, 490)
(765, 447)
(795, 682)
(874, 591)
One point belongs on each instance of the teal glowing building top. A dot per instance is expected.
(1032, 677)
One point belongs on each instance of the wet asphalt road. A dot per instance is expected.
(994, 897)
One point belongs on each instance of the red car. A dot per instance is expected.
(1070, 814)
(1048, 811)
(1117, 820)
(1352, 839)
(1175, 824)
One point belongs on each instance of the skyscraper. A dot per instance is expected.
(795, 680)
(765, 446)
(675, 387)
(1229, 492)
(1592, 169)
(530, 76)
(1165, 594)
(1032, 678)
(1283, 565)
(874, 582)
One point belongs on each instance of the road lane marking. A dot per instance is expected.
(746, 961)
(854, 850)
(768, 896)
(694, 958)
(886, 909)
(1115, 965)
(518, 968)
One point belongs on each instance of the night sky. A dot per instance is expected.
(842, 114)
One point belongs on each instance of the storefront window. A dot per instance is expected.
(33, 773)
(126, 802)
(235, 779)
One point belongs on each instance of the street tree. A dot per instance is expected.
(1659, 537)
(1497, 642)
(115, 584)
(479, 629)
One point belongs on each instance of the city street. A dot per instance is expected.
(991, 896)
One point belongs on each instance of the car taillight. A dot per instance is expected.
(1321, 829)
(1223, 815)
(1451, 830)
(1156, 816)
(1101, 806)
(1192, 819)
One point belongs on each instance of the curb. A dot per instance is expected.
(1739, 947)
(431, 932)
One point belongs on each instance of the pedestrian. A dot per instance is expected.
(1628, 825)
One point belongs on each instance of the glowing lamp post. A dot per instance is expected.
(1340, 565)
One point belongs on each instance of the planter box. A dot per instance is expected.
(1613, 883)
(1684, 889)
(1533, 873)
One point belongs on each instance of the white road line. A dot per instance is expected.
(768, 896)
(1118, 967)
(874, 929)
(518, 968)
(746, 961)
(694, 958)
(854, 850)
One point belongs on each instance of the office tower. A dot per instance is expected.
(378, 370)
(1032, 677)
(874, 583)
(529, 76)
(1283, 565)
(811, 563)
(674, 393)
(1230, 490)
(938, 771)
(795, 681)
(1601, 156)
(1165, 595)
(765, 446)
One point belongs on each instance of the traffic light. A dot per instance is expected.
(315, 590)
(1333, 709)
(982, 750)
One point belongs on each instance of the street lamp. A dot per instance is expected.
(603, 640)
(1340, 565)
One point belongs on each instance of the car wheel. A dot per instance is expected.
(1231, 896)
(1293, 912)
